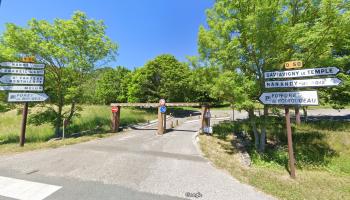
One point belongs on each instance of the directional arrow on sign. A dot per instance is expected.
(22, 65)
(302, 73)
(306, 98)
(31, 80)
(21, 88)
(26, 97)
(320, 82)
(21, 71)
(162, 109)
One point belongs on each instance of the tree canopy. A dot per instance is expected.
(69, 48)
(164, 77)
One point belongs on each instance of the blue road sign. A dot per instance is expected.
(162, 109)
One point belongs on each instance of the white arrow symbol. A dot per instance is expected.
(26, 97)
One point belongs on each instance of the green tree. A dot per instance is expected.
(164, 77)
(110, 86)
(70, 49)
(232, 87)
(256, 36)
(201, 79)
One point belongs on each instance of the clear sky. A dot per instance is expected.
(143, 29)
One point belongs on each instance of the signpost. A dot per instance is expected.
(163, 109)
(161, 117)
(293, 64)
(21, 71)
(38, 88)
(320, 82)
(25, 80)
(301, 98)
(27, 97)
(302, 73)
(29, 80)
(115, 118)
(22, 65)
(296, 98)
(114, 109)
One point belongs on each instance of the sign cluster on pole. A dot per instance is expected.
(296, 98)
(27, 79)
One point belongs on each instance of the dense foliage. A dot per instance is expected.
(242, 40)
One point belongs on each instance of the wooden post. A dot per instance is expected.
(290, 143)
(116, 120)
(22, 137)
(164, 122)
(297, 115)
(204, 120)
(161, 122)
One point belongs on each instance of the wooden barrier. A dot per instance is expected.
(116, 107)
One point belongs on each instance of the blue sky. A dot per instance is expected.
(143, 29)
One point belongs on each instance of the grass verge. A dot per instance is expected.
(322, 151)
(93, 122)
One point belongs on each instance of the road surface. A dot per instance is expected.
(135, 165)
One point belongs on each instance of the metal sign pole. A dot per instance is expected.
(290, 143)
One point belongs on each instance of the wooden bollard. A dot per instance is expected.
(161, 117)
(115, 118)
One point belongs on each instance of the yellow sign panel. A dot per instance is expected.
(30, 59)
(293, 64)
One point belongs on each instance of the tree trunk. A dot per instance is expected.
(255, 131)
(263, 130)
(297, 115)
(71, 113)
(305, 113)
(59, 120)
(233, 113)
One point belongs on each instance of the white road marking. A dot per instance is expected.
(187, 122)
(25, 190)
(126, 137)
(219, 118)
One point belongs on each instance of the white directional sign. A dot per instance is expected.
(302, 73)
(22, 88)
(306, 98)
(21, 71)
(26, 97)
(22, 65)
(29, 80)
(320, 82)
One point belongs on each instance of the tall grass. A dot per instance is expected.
(317, 144)
(93, 119)
(322, 151)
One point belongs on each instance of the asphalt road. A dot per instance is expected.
(135, 165)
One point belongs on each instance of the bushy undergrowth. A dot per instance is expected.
(317, 144)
